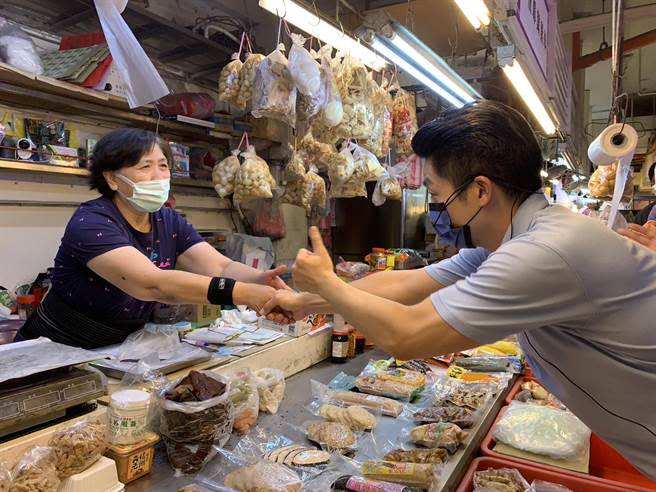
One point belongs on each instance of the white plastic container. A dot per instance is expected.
(128, 416)
(99, 477)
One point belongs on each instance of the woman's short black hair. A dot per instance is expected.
(485, 138)
(118, 149)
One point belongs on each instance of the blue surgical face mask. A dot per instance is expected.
(441, 221)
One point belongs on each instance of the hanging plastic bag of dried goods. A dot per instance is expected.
(254, 179)
(375, 170)
(388, 127)
(602, 182)
(269, 221)
(224, 173)
(295, 169)
(354, 90)
(316, 152)
(341, 165)
(17, 48)
(310, 105)
(355, 186)
(375, 142)
(197, 417)
(387, 188)
(229, 77)
(247, 77)
(332, 113)
(303, 69)
(314, 190)
(274, 93)
(404, 117)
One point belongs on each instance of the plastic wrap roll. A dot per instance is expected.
(616, 143)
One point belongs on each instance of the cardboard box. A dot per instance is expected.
(296, 329)
(202, 314)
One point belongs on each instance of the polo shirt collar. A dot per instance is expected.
(523, 218)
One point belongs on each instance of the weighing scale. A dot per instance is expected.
(46, 396)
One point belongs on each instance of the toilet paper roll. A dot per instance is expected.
(614, 143)
(617, 143)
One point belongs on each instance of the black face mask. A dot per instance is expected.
(441, 208)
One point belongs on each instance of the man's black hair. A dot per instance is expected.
(118, 149)
(485, 138)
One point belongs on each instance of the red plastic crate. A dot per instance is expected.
(606, 464)
(530, 473)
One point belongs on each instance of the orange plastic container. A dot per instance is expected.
(530, 473)
(606, 464)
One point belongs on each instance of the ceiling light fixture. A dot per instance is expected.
(523, 86)
(319, 28)
(476, 12)
(404, 49)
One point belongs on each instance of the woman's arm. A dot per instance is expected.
(129, 270)
(203, 259)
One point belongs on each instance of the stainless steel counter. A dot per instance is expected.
(292, 409)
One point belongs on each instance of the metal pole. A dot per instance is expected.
(618, 69)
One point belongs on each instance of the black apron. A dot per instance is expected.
(61, 323)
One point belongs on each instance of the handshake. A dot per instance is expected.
(271, 297)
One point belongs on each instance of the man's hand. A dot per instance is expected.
(272, 278)
(254, 296)
(645, 235)
(288, 301)
(313, 270)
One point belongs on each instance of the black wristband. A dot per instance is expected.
(220, 291)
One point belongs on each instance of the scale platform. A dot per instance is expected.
(39, 398)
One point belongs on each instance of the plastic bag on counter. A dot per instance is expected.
(472, 395)
(392, 408)
(537, 429)
(192, 104)
(35, 471)
(492, 479)
(246, 400)
(303, 68)
(421, 475)
(78, 446)
(162, 340)
(229, 79)
(333, 436)
(247, 73)
(271, 388)
(355, 417)
(254, 179)
(224, 174)
(17, 48)
(269, 221)
(352, 269)
(542, 486)
(378, 378)
(274, 93)
(387, 188)
(438, 435)
(197, 417)
(404, 117)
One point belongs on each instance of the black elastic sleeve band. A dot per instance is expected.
(220, 291)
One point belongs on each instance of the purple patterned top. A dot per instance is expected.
(97, 227)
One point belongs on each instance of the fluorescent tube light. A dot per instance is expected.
(476, 12)
(525, 89)
(312, 24)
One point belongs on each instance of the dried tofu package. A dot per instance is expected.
(254, 179)
(247, 79)
(404, 117)
(224, 174)
(274, 93)
(229, 80)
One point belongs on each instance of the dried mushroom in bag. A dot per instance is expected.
(404, 117)
(78, 446)
(224, 174)
(274, 93)
(246, 80)
(35, 471)
(197, 416)
(254, 179)
(229, 80)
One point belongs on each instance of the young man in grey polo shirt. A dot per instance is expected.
(581, 298)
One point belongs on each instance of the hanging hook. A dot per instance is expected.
(278, 13)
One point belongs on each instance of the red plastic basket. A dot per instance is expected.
(530, 473)
(606, 464)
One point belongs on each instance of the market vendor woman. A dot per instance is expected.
(121, 253)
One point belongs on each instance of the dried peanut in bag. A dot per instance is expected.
(229, 80)
(246, 79)
(224, 174)
(254, 179)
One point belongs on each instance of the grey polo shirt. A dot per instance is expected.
(582, 300)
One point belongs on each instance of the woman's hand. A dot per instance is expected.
(313, 271)
(645, 235)
(255, 296)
